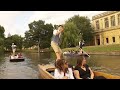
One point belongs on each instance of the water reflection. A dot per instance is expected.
(29, 68)
(107, 64)
(16, 70)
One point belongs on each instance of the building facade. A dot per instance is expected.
(107, 28)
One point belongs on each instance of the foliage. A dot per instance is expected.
(70, 36)
(39, 34)
(16, 39)
(84, 27)
(2, 37)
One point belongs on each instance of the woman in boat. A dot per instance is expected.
(83, 71)
(62, 70)
(19, 55)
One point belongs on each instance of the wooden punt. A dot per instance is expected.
(46, 72)
(17, 59)
(76, 54)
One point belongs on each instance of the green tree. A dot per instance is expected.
(2, 30)
(84, 26)
(2, 37)
(18, 40)
(7, 43)
(70, 35)
(39, 34)
(27, 41)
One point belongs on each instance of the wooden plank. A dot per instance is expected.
(43, 73)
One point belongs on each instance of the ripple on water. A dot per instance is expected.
(17, 70)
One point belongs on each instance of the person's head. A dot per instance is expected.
(62, 64)
(81, 61)
(60, 27)
(12, 43)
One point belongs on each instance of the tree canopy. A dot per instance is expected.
(16, 39)
(2, 37)
(2, 30)
(70, 36)
(39, 33)
(84, 27)
(76, 28)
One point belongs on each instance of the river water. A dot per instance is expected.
(28, 69)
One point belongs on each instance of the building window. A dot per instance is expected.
(97, 24)
(112, 20)
(107, 41)
(118, 19)
(106, 23)
(113, 39)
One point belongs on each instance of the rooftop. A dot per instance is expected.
(103, 14)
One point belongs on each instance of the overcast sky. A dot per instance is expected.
(16, 22)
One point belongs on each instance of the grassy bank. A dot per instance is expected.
(98, 49)
(105, 49)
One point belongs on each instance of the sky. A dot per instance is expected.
(16, 22)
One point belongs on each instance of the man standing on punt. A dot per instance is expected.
(55, 42)
(13, 48)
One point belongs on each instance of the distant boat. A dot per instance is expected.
(16, 59)
(76, 54)
(47, 72)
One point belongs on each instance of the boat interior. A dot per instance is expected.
(107, 76)
(51, 71)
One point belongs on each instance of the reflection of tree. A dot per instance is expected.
(41, 58)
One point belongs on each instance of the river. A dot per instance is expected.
(28, 69)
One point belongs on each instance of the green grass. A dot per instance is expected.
(104, 48)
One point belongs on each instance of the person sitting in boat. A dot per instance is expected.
(19, 55)
(75, 52)
(12, 56)
(83, 71)
(69, 51)
(62, 71)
